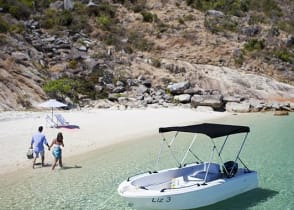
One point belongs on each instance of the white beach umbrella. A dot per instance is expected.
(52, 103)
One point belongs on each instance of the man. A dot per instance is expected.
(37, 144)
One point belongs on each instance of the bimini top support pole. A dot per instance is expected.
(237, 157)
(169, 147)
(223, 145)
(172, 140)
(210, 160)
(189, 148)
(241, 147)
(160, 150)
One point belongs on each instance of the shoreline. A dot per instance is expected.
(98, 128)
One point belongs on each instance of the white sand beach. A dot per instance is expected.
(97, 128)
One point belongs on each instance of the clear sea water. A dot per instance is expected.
(90, 181)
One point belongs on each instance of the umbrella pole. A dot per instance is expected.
(52, 113)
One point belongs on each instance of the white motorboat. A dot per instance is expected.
(196, 184)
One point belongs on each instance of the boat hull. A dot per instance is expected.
(189, 197)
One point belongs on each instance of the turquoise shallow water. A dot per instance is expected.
(90, 181)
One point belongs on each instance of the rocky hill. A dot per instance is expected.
(229, 55)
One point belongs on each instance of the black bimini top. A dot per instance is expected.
(209, 129)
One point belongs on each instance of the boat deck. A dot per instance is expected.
(190, 180)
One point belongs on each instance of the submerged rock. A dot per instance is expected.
(281, 113)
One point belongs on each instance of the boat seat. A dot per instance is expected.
(213, 172)
(210, 176)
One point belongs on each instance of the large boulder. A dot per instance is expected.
(183, 98)
(178, 88)
(214, 101)
(238, 107)
(119, 89)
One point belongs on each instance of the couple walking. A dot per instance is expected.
(37, 144)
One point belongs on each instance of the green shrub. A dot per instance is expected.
(64, 18)
(101, 9)
(66, 87)
(229, 7)
(3, 39)
(103, 21)
(256, 19)
(138, 41)
(148, 16)
(72, 64)
(3, 26)
(283, 55)
(156, 62)
(48, 19)
(28, 3)
(287, 26)
(188, 17)
(239, 60)
(18, 9)
(181, 21)
(216, 25)
(162, 27)
(60, 87)
(17, 28)
(269, 7)
(110, 39)
(254, 44)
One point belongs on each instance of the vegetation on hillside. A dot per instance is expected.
(71, 88)
(105, 23)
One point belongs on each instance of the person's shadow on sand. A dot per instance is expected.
(63, 168)
(71, 167)
(42, 166)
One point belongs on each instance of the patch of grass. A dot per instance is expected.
(110, 39)
(3, 39)
(138, 41)
(48, 19)
(181, 21)
(239, 60)
(3, 26)
(229, 7)
(102, 8)
(216, 25)
(17, 28)
(14, 28)
(19, 9)
(256, 19)
(149, 17)
(188, 17)
(254, 44)
(283, 55)
(287, 26)
(75, 20)
(72, 64)
(162, 27)
(64, 18)
(269, 7)
(156, 62)
(104, 22)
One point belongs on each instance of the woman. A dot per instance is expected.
(56, 151)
